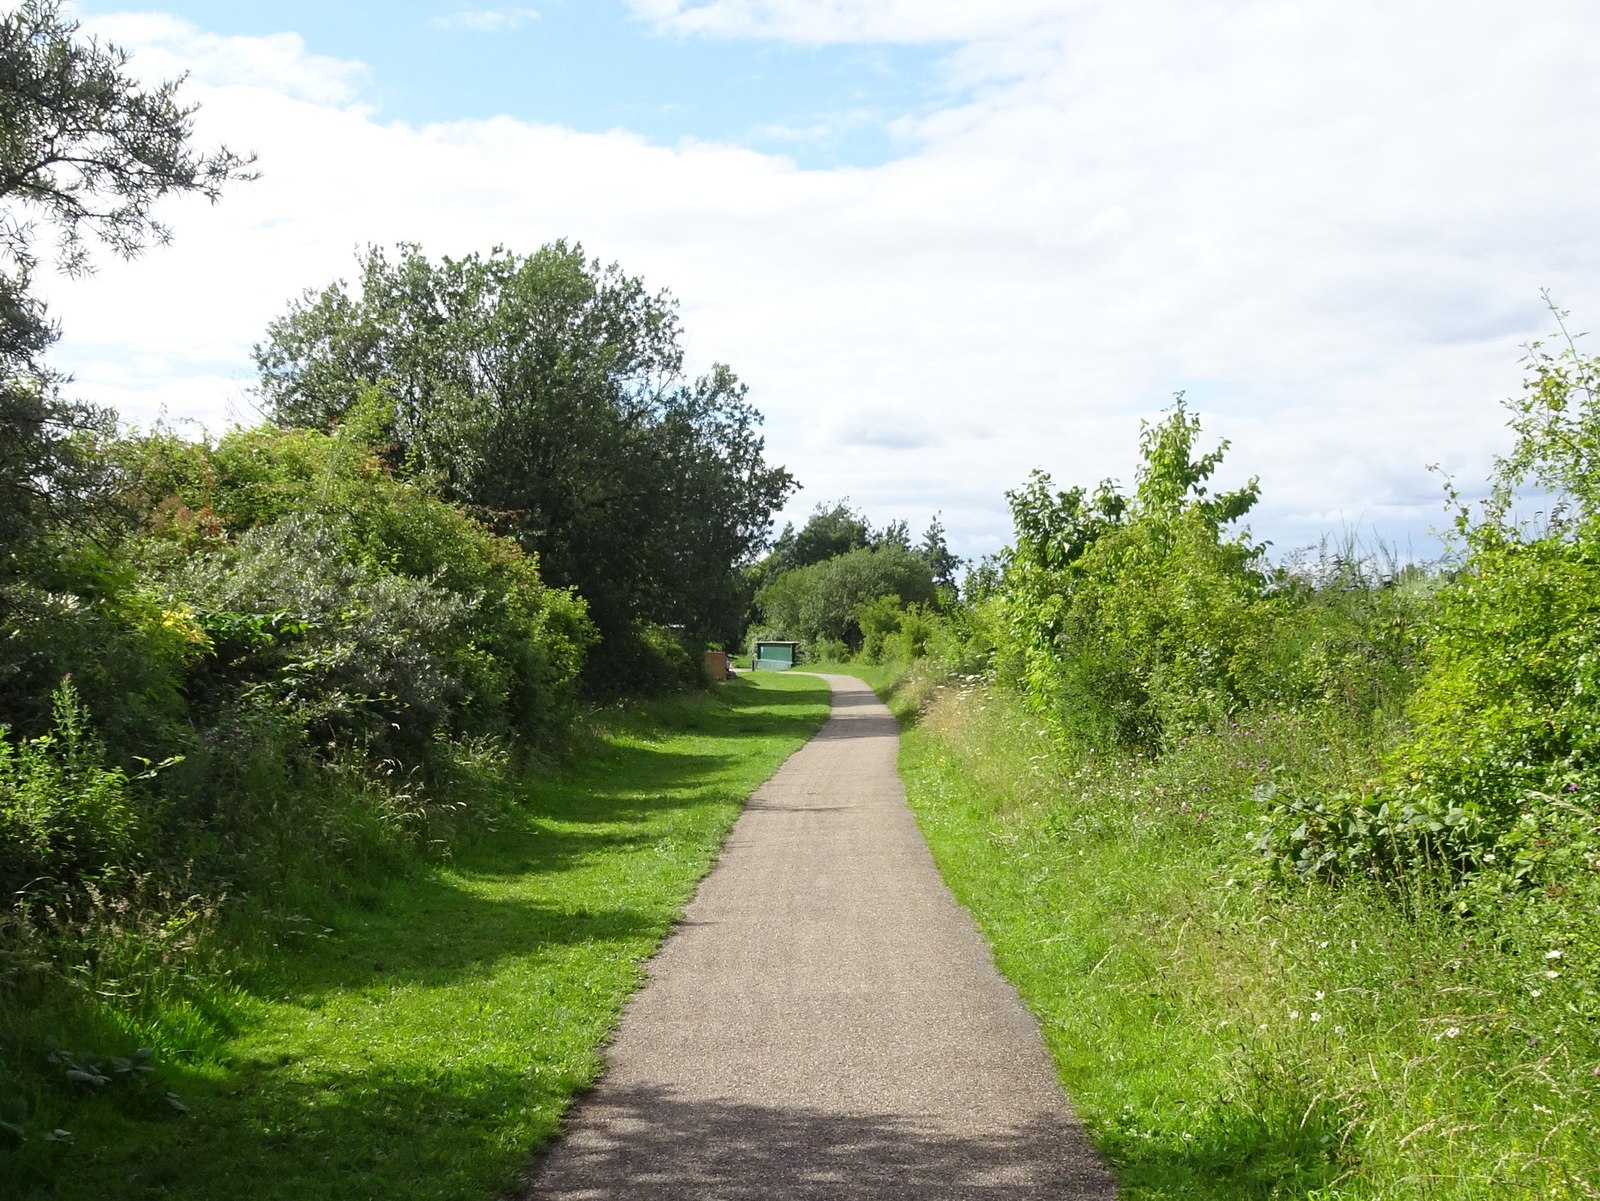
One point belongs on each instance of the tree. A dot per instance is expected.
(896, 533)
(937, 552)
(85, 152)
(830, 530)
(822, 600)
(548, 391)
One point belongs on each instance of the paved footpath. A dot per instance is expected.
(826, 1022)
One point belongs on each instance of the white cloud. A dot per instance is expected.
(1329, 224)
(823, 127)
(833, 21)
(490, 20)
(169, 46)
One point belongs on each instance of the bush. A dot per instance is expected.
(1128, 621)
(647, 661)
(379, 659)
(1503, 760)
(1346, 630)
(125, 645)
(383, 614)
(877, 619)
(825, 650)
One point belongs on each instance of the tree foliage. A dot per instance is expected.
(941, 560)
(830, 530)
(548, 391)
(822, 601)
(1127, 618)
(85, 153)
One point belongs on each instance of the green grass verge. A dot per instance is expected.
(1225, 1039)
(421, 1035)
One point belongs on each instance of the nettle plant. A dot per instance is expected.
(65, 814)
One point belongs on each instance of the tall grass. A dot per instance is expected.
(1227, 1037)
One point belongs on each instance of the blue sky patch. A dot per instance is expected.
(594, 67)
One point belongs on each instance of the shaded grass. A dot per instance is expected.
(420, 1035)
(1227, 1039)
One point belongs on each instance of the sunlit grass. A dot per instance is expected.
(1225, 1038)
(420, 1035)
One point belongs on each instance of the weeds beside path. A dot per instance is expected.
(423, 1036)
(1226, 1040)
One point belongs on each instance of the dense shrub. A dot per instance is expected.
(386, 614)
(126, 646)
(1346, 631)
(1128, 620)
(366, 657)
(323, 647)
(877, 619)
(1501, 771)
(645, 660)
(893, 632)
(64, 814)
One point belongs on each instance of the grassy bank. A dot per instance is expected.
(420, 1033)
(1225, 1038)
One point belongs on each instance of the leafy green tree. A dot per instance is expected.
(823, 600)
(896, 533)
(85, 153)
(548, 391)
(830, 530)
(1128, 619)
(1054, 529)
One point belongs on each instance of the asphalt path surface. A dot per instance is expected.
(826, 1022)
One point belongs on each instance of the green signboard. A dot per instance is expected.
(775, 656)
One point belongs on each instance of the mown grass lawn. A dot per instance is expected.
(422, 1036)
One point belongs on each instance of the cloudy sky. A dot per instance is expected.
(944, 241)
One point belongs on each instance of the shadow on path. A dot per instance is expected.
(649, 1143)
